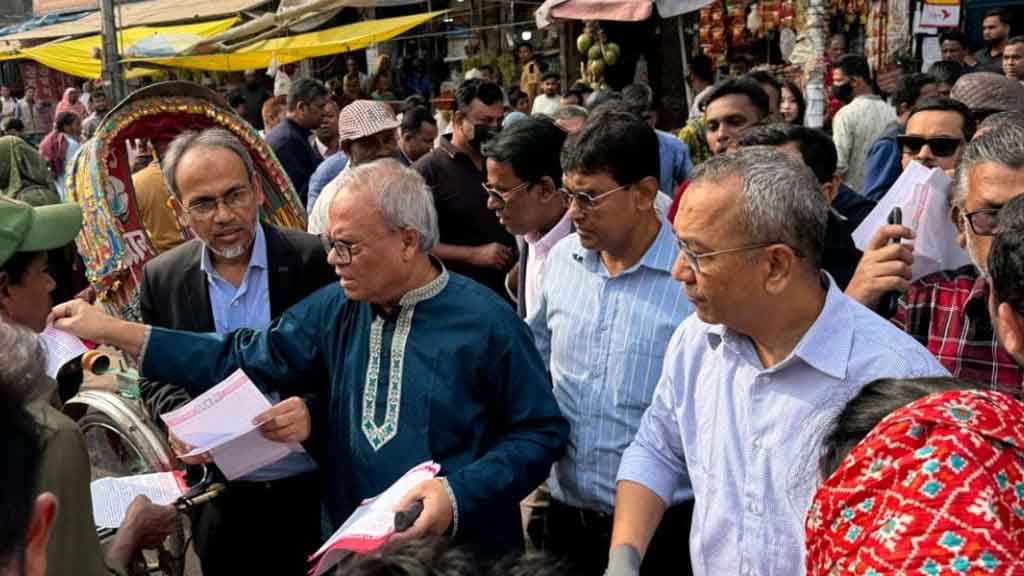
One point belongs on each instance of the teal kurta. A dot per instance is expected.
(450, 375)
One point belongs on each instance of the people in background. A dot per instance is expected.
(37, 116)
(986, 93)
(8, 103)
(863, 118)
(946, 74)
(792, 105)
(883, 164)
(519, 101)
(570, 118)
(99, 104)
(272, 112)
(290, 139)
(60, 146)
(674, 157)
(237, 103)
(701, 77)
(550, 97)
(530, 72)
(995, 30)
(255, 93)
(354, 69)
(1013, 58)
(327, 133)
(472, 241)
(380, 86)
(71, 102)
(12, 127)
(416, 135)
(773, 88)
(955, 48)
(152, 200)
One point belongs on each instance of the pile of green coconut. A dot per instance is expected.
(598, 54)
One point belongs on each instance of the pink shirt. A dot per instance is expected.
(539, 249)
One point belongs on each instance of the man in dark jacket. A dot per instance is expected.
(290, 139)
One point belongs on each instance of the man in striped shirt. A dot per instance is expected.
(607, 309)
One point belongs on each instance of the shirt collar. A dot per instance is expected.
(429, 290)
(258, 258)
(825, 346)
(544, 244)
(660, 255)
(449, 148)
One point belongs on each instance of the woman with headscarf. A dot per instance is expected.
(937, 487)
(71, 102)
(60, 145)
(24, 174)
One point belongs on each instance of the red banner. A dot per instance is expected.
(49, 83)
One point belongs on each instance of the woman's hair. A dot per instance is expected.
(874, 402)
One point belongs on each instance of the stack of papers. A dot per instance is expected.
(923, 195)
(111, 496)
(220, 422)
(373, 522)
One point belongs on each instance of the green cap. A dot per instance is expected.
(27, 229)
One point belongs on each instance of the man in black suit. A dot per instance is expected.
(237, 273)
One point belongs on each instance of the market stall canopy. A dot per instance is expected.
(148, 13)
(294, 48)
(78, 57)
(618, 10)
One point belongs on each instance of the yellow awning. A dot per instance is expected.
(294, 48)
(78, 57)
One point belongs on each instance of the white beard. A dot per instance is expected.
(228, 253)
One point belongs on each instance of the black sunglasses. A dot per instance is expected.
(940, 147)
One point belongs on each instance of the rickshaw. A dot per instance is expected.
(119, 428)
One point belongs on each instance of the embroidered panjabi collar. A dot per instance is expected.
(380, 434)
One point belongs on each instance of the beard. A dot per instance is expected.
(229, 253)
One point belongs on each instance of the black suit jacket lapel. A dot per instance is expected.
(282, 271)
(197, 303)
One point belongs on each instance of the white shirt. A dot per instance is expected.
(318, 217)
(750, 437)
(8, 107)
(544, 104)
(539, 249)
(854, 129)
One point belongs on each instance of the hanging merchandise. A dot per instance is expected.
(598, 54)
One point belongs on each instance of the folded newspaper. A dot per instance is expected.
(373, 522)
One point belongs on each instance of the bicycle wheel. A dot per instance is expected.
(122, 442)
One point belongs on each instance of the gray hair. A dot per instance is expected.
(401, 196)
(24, 365)
(209, 138)
(781, 199)
(1003, 144)
(566, 112)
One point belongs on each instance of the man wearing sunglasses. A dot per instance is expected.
(606, 311)
(947, 311)
(236, 273)
(752, 380)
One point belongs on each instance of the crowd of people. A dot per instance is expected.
(638, 352)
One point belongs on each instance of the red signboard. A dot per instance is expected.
(49, 83)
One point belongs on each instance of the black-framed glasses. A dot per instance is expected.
(693, 258)
(343, 250)
(585, 199)
(205, 209)
(502, 197)
(983, 222)
(941, 147)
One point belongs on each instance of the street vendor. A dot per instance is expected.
(415, 363)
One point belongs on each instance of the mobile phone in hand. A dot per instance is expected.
(887, 305)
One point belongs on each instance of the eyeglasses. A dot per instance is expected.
(343, 250)
(501, 198)
(983, 222)
(586, 200)
(205, 209)
(941, 147)
(693, 258)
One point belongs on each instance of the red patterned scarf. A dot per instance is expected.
(936, 488)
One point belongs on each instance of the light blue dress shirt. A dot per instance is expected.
(327, 170)
(675, 163)
(750, 437)
(248, 306)
(604, 339)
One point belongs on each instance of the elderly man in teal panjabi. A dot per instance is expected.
(413, 363)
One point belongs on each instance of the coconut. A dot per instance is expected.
(584, 42)
(594, 53)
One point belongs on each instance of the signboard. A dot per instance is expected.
(940, 16)
(49, 83)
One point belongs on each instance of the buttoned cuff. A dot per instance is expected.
(645, 468)
(455, 505)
